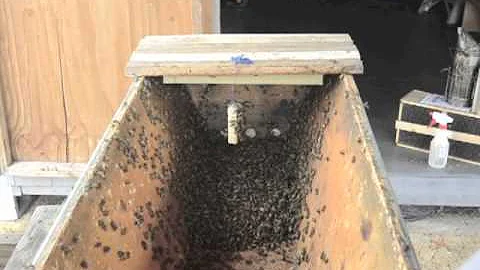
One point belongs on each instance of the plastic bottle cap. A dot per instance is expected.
(442, 119)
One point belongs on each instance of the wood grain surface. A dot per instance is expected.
(62, 66)
(97, 39)
(246, 54)
(31, 81)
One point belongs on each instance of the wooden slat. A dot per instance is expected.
(247, 79)
(5, 151)
(97, 38)
(425, 130)
(30, 79)
(415, 97)
(46, 169)
(248, 38)
(42, 220)
(427, 151)
(265, 54)
(166, 48)
(5, 254)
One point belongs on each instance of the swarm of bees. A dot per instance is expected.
(250, 197)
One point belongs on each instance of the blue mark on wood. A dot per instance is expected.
(241, 60)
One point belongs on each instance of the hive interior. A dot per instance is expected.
(243, 205)
(166, 191)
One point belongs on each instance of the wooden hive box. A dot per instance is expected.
(133, 208)
(413, 132)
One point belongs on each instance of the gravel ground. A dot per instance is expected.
(444, 238)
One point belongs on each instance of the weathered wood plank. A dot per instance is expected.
(99, 36)
(245, 55)
(191, 49)
(5, 254)
(248, 38)
(128, 165)
(41, 221)
(50, 46)
(46, 169)
(247, 79)
(73, 203)
(416, 97)
(30, 79)
(426, 130)
(353, 204)
(427, 151)
(5, 151)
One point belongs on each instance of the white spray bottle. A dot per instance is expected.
(439, 146)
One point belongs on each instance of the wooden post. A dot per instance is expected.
(9, 209)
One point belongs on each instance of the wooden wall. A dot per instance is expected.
(62, 66)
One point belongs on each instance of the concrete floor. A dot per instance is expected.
(401, 51)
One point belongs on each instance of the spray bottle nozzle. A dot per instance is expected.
(440, 118)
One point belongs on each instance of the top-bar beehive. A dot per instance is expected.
(217, 55)
(163, 190)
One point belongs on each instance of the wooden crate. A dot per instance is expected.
(130, 181)
(413, 132)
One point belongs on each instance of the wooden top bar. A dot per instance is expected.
(245, 54)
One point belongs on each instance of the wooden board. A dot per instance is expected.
(211, 16)
(5, 254)
(31, 80)
(247, 79)
(416, 97)
(43, 178)
(431, 131)
(133, 138)
(46, 169)
(97, 38)
(352, 210)
(40, 223)
(245, 55)
(5, 150)
(62, 66)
